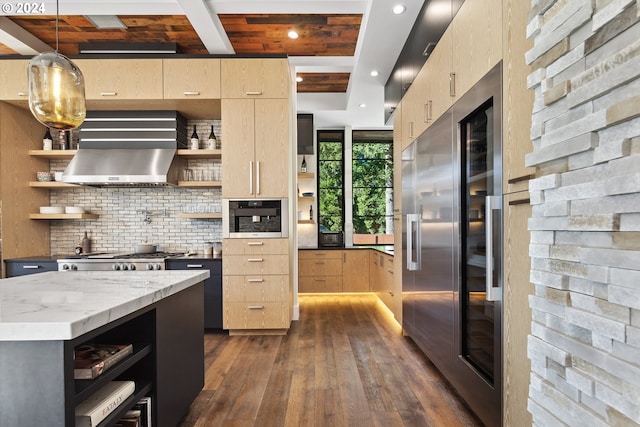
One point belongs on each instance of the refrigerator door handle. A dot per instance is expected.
(413, 242)
(491, 203)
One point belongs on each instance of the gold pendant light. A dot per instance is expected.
(56, 89)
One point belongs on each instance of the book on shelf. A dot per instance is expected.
(144, 405)
(91, 360)
(95, 408)
(132, 418)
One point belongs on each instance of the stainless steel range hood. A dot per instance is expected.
(128, 148)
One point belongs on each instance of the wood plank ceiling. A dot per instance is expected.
(320, 35)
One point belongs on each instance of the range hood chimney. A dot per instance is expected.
(128, 149)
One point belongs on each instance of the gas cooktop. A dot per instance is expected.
(123, 255)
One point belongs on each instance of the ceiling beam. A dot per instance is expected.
(19, 40)
(207, 25)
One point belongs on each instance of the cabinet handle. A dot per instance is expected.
(23, 93)
(410, 129)
(108, 93)
(30, 267)
(255, 280)
(491, 203)
(254, 93)
(396, 219)
(427, 111)
(251, 177)
(519, 202)
(521, 178)
(390, 293)
(256, 307)
(344, 257)
(390, 271)
(258, 177)
(191, 93)
(320, 254)
(318, 279)
(452, 84)
(319, 262)
(255, 260)
(255, 243)
(194, 265)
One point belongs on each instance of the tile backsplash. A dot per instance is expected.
(127, 216)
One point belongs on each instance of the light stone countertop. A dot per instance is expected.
(62, 305)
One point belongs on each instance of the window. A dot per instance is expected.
(330, 180)
(372, 177)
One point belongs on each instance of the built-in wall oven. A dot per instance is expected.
(250, 218)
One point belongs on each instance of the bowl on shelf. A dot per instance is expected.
(43, 176)
(74, 209)
(51, 209)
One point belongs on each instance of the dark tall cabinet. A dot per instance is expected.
(212, 286)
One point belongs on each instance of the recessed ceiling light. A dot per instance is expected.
(292, 34)
(374, 73)
(363, 105)
(399, 9)
(299, 79)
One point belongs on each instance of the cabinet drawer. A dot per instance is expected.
(195, 78)
(255, 288)
(23, 267)
(239, 265)
(310, 254)
(254, 78)
(256, 315)
(320, 284)
(15, 82)
(255, 246)
(116, 79)
(320, 267)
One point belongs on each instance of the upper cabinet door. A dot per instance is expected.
(272, 147)
(193, 78)
(14, 84)
(255, 78)
(118, 79)
(238, 151)
(477, 42)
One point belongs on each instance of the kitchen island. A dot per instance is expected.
(43, 317)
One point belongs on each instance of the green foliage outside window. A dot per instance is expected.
(331, 182)
(372, 187)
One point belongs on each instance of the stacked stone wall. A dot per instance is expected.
(585, 227)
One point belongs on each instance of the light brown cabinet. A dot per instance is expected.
(383, 280)
(335, 270)
(477, 42)
(255, 78)
(319, 271)
(517, 313)
(122, 79)
(355, 270)
(195, 78)
(256, 142)
(14, 85)
(256, 286)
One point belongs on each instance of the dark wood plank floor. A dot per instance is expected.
(344, 363)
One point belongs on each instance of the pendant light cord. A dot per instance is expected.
(57, 17)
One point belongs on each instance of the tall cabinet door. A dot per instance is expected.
(271, 147)
(238, 148)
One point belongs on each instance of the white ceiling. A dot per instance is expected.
(381, 39)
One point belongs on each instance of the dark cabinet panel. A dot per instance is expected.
(23, 266)
(431, 23)
(212, 286)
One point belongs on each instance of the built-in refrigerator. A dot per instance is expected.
(452, 228)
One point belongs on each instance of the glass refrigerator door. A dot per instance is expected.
(478, 331)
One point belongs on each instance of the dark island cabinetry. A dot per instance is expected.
(21, 266)
(167, 364)
(212, 286)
